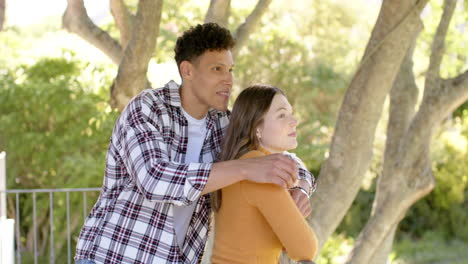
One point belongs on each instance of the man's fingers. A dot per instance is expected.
(275, 168)
(286, 177)
(289, 168)
(280, 181)
(289, 164)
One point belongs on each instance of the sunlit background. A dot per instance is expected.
(55, 120)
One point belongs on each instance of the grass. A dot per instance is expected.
(432, 248)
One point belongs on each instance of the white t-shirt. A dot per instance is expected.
(196, 137)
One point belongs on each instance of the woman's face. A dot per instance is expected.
(277, 133)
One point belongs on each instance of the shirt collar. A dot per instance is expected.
(172, 97)
(171, 94)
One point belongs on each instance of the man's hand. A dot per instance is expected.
(302, 201)
(275, 168)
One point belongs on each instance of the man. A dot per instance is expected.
(154, 205)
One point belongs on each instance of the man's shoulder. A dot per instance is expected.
(149, 104)
(155, 97)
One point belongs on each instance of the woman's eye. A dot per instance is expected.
(282, 115)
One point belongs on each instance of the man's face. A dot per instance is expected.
(212, 79)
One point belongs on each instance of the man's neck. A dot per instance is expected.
(191, 104)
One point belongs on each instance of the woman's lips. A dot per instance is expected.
(293, 134)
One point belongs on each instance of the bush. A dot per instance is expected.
(55, 133)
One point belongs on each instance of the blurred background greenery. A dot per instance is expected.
(55, 120)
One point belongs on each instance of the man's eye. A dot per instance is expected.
(217, 68)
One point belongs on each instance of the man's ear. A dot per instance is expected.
(186, 70)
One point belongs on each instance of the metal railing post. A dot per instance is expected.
(3, 201)
(7, 240)
(10, 228)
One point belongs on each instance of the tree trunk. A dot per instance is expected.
(403, 98)
(351, 148)
(2, 14)
(380, 256)
(407, 174)
(138, 38)
(251, 22)
(123, 19)
(131, 77)
(76, 20)
(218, 12)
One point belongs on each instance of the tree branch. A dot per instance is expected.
(454, 92)
(76, 20)
(131, 77)
(436, 106)
(438, 45)
(244, 30)
(341, 175)
(2, 14)
(440, 96)
(403, 98)
(218, 12)
(123, 19)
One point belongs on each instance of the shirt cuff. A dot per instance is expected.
(197, 177)
(302, 190)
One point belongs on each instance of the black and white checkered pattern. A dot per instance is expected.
(146, 175)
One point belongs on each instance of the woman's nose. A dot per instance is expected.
(294, 121)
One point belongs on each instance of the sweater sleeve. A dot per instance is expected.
(280, 211)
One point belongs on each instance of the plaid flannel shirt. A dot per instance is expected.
(145, 176)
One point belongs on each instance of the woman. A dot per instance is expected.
(255, 221)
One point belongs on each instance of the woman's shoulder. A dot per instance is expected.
(252, 154)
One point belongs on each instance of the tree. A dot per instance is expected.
(2, 14)
(138, 35)
(386, 68)
(407, 173)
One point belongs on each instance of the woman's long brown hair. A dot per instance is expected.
(247, 114)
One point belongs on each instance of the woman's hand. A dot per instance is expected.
(302, 201)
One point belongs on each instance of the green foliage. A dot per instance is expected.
(177, 17)
(50, 126)
(430, 248)
(356, 217)
(335, 249)
(296, 54)
(55, 133)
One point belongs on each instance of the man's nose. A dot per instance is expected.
(229, 78)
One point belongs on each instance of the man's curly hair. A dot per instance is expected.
(206, 37)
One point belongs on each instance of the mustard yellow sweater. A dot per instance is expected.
(256, 221)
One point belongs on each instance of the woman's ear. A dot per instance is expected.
(258, 133)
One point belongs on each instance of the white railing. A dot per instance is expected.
(12, 237)
(6, 225)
